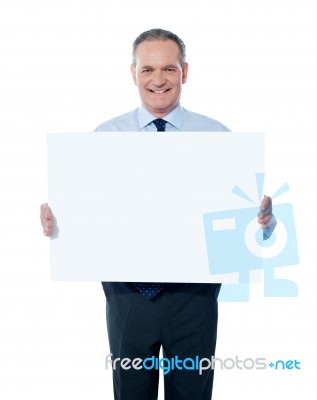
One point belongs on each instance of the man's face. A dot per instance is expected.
(159, 75)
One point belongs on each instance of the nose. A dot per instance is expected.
(158, 79)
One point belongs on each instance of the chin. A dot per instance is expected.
(160, 105)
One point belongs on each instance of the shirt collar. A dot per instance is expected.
(175, 117)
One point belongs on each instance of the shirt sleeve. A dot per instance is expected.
(267, 232)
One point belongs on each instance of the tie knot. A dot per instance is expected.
(160, 124)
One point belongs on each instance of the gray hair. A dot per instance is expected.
(159, 34)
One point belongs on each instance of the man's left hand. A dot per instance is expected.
(265, 213)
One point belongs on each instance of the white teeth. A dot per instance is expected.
(159, 91)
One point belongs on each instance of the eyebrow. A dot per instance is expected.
(170, 66)
(165, 66)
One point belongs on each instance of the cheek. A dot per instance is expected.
(177, 86)
(142, 83)
(177, 82)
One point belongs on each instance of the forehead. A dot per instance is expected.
(157, 51)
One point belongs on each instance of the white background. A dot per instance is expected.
(65, 67)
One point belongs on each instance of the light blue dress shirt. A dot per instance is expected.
(180, 119)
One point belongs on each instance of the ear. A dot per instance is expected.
(184, 72)
(133, 72)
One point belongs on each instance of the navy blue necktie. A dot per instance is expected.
(160, 124)
(151, 289)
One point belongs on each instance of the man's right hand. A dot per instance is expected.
(46, 219)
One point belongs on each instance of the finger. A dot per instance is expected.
(265, 222)
(46, 212)
(47, 227)
(266, 203)
(46, 217)
(265, 219)
(49, 224)
(43, 206)
(46, 232)
(264, 213)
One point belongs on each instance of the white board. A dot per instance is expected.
(131, 206)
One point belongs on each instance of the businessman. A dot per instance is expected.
(179, 317)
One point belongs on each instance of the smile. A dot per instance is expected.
(159, 91)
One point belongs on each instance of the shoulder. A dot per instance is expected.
(124, 122)
(194, 121)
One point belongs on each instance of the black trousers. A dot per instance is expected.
(182, 319)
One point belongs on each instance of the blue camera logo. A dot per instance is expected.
(236, 244)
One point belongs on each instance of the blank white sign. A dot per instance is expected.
(130, 206)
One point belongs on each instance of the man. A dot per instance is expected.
(180, 317)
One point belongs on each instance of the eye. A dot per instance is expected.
(146, 71)
(170, 70)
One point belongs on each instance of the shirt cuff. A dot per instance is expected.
(267, 232)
